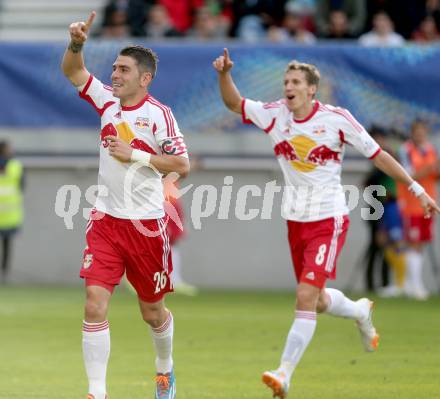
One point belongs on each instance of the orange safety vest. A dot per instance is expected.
(408, 203)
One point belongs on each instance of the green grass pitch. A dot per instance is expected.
(223, 342)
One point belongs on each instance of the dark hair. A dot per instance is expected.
(4, 146)
(145, 57)
(419, 122)
(376, 130)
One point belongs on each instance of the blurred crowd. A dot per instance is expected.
(371, 22)
(399, 240)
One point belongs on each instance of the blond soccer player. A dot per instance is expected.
(308, 139)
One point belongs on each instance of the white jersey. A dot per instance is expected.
(128, 191)
(310, 153)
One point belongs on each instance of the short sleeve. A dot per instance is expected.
(262, 115)
(352, 132)
(168, 135)
(99, 95)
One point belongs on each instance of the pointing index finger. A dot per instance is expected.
(226, 53)
(90, 20)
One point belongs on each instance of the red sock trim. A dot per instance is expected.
(165, 325)
(95, 327)
(301, 314)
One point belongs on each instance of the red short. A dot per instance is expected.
(139, 248)
(315, 247)
(418, 229)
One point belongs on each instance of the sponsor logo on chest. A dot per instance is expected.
(319, 130)
(142, 123)
(305, 154)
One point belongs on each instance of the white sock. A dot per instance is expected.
(96, 351)
(414, 261)
(163, 342)
(298, 339)
(341, 306)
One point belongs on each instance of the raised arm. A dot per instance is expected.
(230, 94)
(387, 164)
(73, 60)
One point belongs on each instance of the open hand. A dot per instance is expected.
(119, 149)
(428, 204)
(79, 30)
(223, 63)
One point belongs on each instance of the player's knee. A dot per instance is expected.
(152, 317)
(322, 304)
(95, 310)
(306, 298)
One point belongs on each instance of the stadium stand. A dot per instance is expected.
(40, 20)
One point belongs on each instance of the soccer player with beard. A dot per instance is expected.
(140, 142)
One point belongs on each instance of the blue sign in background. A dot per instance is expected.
(389, 87)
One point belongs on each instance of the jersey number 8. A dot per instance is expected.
(321, 254)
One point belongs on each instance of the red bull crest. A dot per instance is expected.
(142, 123)
(304, 154)
(321, 154)
(107, 130)
(319, 129)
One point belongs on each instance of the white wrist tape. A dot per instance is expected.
(416, 189)
(141, 156)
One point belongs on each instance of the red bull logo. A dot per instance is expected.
(285, 150)
(321, 154)
(319, 130)
(139, 144)
(304, 154)
(123, 131)
(107, 130)
(142, 123)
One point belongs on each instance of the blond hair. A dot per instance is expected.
(311, 72)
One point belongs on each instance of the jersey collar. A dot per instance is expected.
(138, 105)
(310, 116)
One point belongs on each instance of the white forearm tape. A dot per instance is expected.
(141, 156)
(416, 189)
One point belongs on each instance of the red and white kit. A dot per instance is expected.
(310, 152)
(130, 193)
